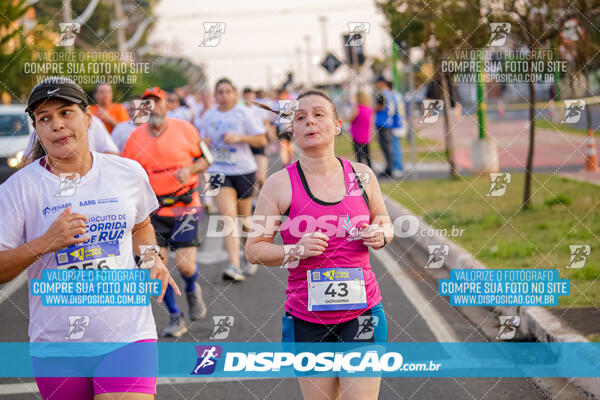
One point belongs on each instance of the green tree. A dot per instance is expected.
(438, 26)
(536, 24)
(16, 46)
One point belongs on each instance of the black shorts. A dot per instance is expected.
(243, 184)
(176, 232)
(371, 326)
(257, 151)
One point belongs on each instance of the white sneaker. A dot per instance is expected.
(250, 269)
(233, 273)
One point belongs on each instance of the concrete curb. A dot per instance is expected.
(535, 321)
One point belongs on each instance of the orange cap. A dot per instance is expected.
(155, 91)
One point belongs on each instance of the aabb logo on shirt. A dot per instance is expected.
(207, 359)
(51, 210)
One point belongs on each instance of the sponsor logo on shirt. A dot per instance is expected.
(108, 200)
(86, 203)
(51, 210)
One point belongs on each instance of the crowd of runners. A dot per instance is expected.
(150, 163)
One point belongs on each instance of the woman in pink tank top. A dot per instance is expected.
(360, 128)
(334, 211)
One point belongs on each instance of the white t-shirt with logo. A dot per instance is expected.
(230, 159)
(114, 195)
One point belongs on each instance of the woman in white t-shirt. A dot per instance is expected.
(75, 209)
(231, 131)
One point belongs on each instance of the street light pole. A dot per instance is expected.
(308, 61)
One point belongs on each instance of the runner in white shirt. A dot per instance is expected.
(122, 130)
(231, 131)
(90, 203)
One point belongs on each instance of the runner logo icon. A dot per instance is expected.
(358, 31)
(287, 109)
(573, 111)
(366, 327)
(207, 359)
(77, 326)
(579, 253)
(223, 324)
(508, 327)
(437, 255)
(500, 31)
(431, 111)
(212, 34)
(143, 109)
(68, 33)
(68, 184)
(498, 183)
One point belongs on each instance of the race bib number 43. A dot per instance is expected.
(331, 289)
(104, 255)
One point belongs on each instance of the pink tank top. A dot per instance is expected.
(361, 125)
(339, 221)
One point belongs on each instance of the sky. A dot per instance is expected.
(262, 37)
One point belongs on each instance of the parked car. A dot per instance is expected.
(15, 128)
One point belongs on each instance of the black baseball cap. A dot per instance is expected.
(56, 87)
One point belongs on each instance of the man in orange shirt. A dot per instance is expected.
(167, 149)
(110, 113)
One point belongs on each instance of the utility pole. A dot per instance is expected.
(308, 61)
(299, 71)
(120, 28)
(323, 21)
(67, 12)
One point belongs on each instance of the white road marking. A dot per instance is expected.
(434, 320)
(9, 288)
(31, 387)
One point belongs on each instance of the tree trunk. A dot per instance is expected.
(529, 167)
(448, 138)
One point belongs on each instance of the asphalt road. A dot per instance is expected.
(257, 307)
(414, 311)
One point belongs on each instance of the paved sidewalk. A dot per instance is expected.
(583, 176)
(552, 148)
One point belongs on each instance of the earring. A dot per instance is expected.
(338, 129)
